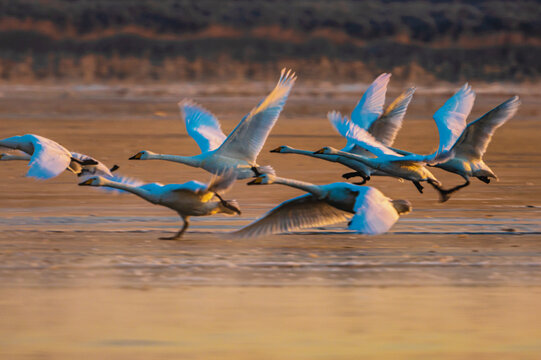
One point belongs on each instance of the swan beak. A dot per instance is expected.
(1, 156)
(86, 183)
(255, 181)
(320, 151)
(277, 150)
(136, 156)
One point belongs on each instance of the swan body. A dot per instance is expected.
(47, 158)
(240, 149)
(373, 213)
(369, 115)
(189, 199)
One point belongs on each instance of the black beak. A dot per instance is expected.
(135, 157)
(277, 150)
(253, 182)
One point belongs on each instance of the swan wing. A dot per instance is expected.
(356, 135)
(374, 212)
(49, 159)
(247, 139)
(201, 125)
(386, 127)
(222, 183)
(477, 135)
(370, 107)
(451, 117)
(99, 169)
(302, 212)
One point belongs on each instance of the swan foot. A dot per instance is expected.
(179, 234)
(446, 194)
(484, 179)
(114, 168)
(418, 186)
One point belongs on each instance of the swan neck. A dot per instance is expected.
(301, 185)
(187, 160)
(129, 188)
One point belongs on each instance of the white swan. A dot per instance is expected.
(467, 152)
(48, 159)
(240, 149)
(369, 115)
(189, 199)
(450, 120)
(373, 212)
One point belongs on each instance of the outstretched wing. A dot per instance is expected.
(201, 125)
(247, 139)
(374, 212)
(49, 159)
(451, 117)
(356, 135)
(477, 135)
(386, 127)
(370, 107)
(302, 212)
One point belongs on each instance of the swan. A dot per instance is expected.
(47, 158)
(192, 198)
(369, 115)
(240, 149)
(373, 212)
(467, 152)
(450, 120)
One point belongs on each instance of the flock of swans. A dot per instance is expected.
(370, 132)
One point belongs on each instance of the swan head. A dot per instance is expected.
(264, 179)
(281, 149)
(142, 155)
(327, 150)
(93, 181)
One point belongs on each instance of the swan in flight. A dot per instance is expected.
(240, 149)
(373, 212)
(467, 152)
(450, 120)
(47, 158)
(192, 198)
(369, 115)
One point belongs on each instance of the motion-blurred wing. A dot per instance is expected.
(370, 107)
(374, 213)
(386, 127)
(201, 125)
(49, 159)
(356, 135)
(302, 212)
(222, 183)
(98, 169)
(247, 139)
(477, 135)
(451, 117)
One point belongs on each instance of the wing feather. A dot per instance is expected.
(477, 135)
(451, 117)
(370, 107)
(201, 125)
(49, 159)
(386, 127)
(357, 135)
(247, 139)
(302, 212)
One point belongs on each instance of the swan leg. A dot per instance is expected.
(458, 187)
(178, 235)
(349, 175)
(484, 179)
(418, 186)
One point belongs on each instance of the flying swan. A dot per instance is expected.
(239, 150)
(48, 159)
(369, 115)
(192, 198)
(450, 120)
(373, 212)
